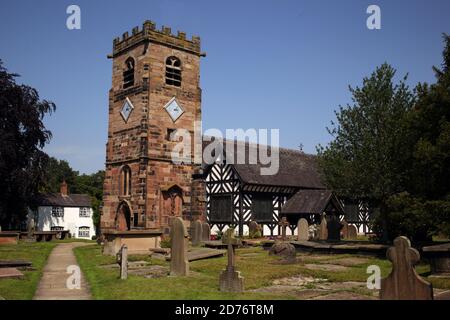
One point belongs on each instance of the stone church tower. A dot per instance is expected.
(155, 90)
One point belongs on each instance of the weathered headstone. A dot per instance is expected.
(206, 232)
(334, 227)
(302, 230)
(323, 230)
(283, 223)
(196, 233)
(439, 257)
(230, 280)
(404, 283)
(344, 230)
(30, 227)
(352, 232)
(252, 226)
(179, 264)
(284, 249)
(122, 260)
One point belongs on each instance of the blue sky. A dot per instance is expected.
(270, 64)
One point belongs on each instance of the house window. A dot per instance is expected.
(173, 71)
(85, 212)
(58, 212)
(83, 232)
(262, 207)
(128, 74)
(221, 209)
(125, 181)
(57, 228)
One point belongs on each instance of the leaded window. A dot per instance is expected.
(125, 181)
(262, 207)
(85, 212)
(221, 209)
(58, 212)
(83, 232)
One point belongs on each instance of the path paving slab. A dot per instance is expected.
(52, 285)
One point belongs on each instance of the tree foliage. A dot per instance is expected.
(23, 136)
(391, 147)
(57, 171)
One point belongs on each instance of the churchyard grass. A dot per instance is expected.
(37, 253)
(256, 266)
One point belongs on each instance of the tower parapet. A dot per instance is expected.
(149, 33)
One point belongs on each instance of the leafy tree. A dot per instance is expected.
(429, 166)
(92, 184)
(23, 136)
(365, 159)
(57, 171)
(392, 148)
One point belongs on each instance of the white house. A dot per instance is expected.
(63, 211)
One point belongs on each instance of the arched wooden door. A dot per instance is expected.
(123, 218)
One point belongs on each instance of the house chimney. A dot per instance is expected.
(63, 188)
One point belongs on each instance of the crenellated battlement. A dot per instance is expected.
(162, 36)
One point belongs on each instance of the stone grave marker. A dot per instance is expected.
(230, 280)
(323, 230)
(439, 256)
(404, 283)
(196, 233)
(284, 249)
(344, 231)
(283, 223)
(206, 232)
(352, 232)
(179, 265)
(302, 230)
(334, 227)
(122, 260)
(252, 227)
(30, 227)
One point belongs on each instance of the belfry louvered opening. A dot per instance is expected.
(173, 71)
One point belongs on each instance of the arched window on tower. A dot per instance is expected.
(173, 71)
(125, 181)
(128, 74)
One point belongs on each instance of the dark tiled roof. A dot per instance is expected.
(296, 169)
(71, 200)
(311, 202)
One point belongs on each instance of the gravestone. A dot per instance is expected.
(344, 231)
(439, 256)
(334, 227)
(179, 265)
(284, 249)
(352, 232)
(404, 283)
(283, 223)
(254, 229)
(206, 232)
(122, 260)
(196, 233)
(230, 280)
(30, 227)
(323, 230)
(302, 230)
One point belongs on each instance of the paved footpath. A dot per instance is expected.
(52, 285)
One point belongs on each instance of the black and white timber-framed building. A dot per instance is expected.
(238, 193)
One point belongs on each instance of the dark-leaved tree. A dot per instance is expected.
(367, 156)
(23, 136)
